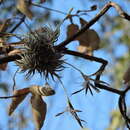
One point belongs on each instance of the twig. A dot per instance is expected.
(104, 62)
(82, 12)
(113, 90)
(123, 107)
(18, 24)
(91, 58)
(66, 42)
(94, 20)
(13, 96)
(9, 58)
(14, 82)
(54, 10)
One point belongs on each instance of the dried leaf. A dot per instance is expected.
(126, 76)
(17, 100)
(39, 109)
(16, 51)
(89, 41)
(72, 29)
(23, 6)
(42, 91)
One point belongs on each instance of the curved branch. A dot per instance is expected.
(94, 20)
(123, 107)
(91, 58)
(99, 72)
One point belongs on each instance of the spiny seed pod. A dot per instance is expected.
(39, 53)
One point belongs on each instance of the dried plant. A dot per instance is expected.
(39, 107)
(39, 53)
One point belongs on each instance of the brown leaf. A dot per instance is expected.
(16, 51)
(89, 40)
(23, 7)
(72, 29)
(126, 76)
(42, 91)
(39, 109)
(17, 100)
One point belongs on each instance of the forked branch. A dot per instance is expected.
(94, 20)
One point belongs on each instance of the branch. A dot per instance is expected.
(94, 20)
(9, 58)
(18, 24)
(123, 107)
(91, 58)
(113, 90)
(66, 42)
(13, 96)
(99, 72)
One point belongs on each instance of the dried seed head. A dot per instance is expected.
(39, 53)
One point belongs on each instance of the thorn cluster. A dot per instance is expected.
(40, 54)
